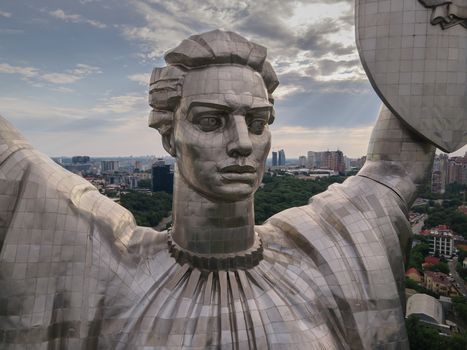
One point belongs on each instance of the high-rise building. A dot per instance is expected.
(109, 166)
(138, 165)
(80, 165)
(333, 160)
(337, 162)
(302, 161)
(80, 159)
(162, 177)
(274, 158)
(447, 171)
(281, 157)
(312, 160)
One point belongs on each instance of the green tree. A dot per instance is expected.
(459, 305)
(283, 192)
(418, 254)
(144, 183)
(420, 337)
(449, 216)
(441, 267)
(423, 337)
(148, 208)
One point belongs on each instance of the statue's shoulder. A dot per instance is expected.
(343, 210)
(39, 194)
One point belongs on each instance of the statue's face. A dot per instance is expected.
(221, 134)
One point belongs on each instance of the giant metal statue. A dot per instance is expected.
(76, 272)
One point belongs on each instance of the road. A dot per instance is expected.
(460, 282)
(416, 228)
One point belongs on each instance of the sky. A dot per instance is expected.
(74, 73)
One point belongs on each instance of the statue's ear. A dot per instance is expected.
(168, 141)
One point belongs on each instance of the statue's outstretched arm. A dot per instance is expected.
(398, 157)
(30, 179)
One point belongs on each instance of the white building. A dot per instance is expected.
(441, 240)
(426, 308)
(109, 166)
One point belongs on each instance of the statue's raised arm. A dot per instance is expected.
(414, 53)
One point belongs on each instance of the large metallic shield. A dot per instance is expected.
(415, 55)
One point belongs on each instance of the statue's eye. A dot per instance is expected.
(257, 126)
(209, 123)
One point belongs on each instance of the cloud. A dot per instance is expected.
(29, 111)
(11, 31)
(27, 72)
(5, 14)
(324, 95)
(299, 34)
(141, 79)
(298, 140)
(35, 76)
(72, 75)
(284, 90)
(62, 89)
(122, 104)
(310, 43)
(114, 112)
(74, 18)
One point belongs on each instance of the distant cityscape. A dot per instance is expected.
(149, 173)
(448, 170)
(111, 173)
(325, 163)
(114, 174)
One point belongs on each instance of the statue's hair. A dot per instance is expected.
(212, 48)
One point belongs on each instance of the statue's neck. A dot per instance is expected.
(205, 226)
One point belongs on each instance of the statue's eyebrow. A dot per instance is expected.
(226, 107)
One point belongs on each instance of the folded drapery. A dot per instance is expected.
(447, 13)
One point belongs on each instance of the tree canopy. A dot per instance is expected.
(148, 208)
(283, 192)
(424, 337)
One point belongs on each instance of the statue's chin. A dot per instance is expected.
(231, 192)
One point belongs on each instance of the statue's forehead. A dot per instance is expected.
(224, 79)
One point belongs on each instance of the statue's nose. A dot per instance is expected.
(240, 143)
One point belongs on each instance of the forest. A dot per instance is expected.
(443, 209)
(283, 192)
(148, 208)
(276, 194)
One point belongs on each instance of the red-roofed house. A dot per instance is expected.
(440, 283)
(414, 275)
(431, 260)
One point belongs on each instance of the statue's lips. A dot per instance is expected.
(238, 173)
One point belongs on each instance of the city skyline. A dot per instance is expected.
(74, 74)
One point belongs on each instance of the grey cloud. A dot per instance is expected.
(261, 24)
(328, 66)
(314, 102)
(326, 104)
(261, 20)
(315, 109)
(314, 39)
